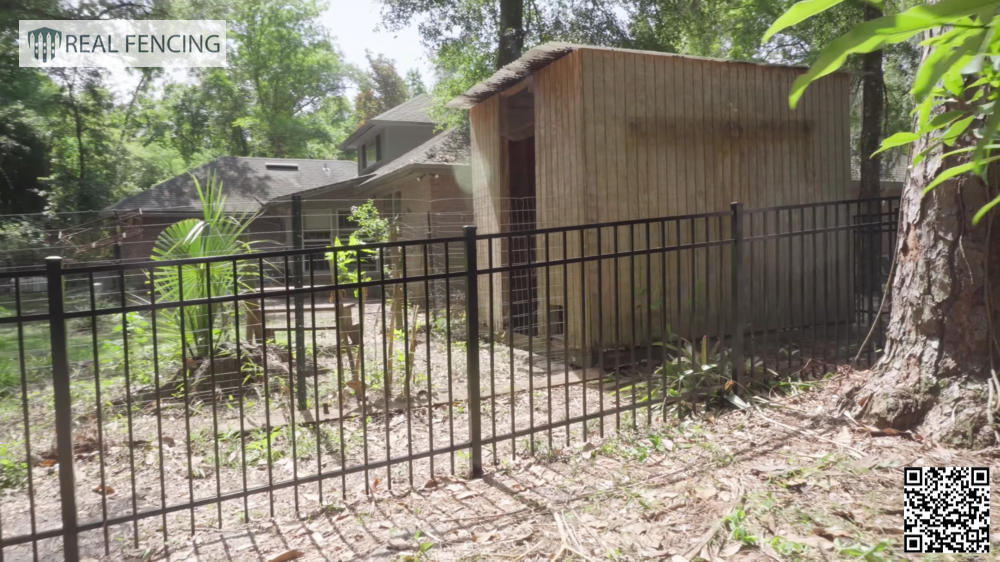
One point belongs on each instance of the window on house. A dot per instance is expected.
(373, 151)
(316, 228)
(362, 161)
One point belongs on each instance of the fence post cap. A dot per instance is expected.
(469, 228)
(53, 259)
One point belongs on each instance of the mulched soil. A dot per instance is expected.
(785, 479)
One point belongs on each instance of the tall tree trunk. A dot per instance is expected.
(81, 148)
(511, 31)
(873, 101)
(937, 372)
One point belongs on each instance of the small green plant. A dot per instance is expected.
(440, 326)
(736, 524)
(864, 552)
(257, 444)
(693, 374)
(13, 470)
(785, 547)
(347, 260)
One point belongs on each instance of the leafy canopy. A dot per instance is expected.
(955, 87)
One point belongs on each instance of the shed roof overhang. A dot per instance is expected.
(543, 55)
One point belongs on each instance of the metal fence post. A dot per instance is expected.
(63, 405)
(300, 317)
(739, 362)
(472, 348)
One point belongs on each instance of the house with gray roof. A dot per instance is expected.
(416, 175)
(250, 185)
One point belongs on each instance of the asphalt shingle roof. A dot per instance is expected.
(414, 110)
(248, 183)
(447, 147)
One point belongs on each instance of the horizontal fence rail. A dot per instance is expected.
(214, 391)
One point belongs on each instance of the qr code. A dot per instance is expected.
(946, 509)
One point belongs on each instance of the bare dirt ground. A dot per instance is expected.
(172, 451)
(786, 479)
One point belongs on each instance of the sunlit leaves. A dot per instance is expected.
(955, 86)
(898, 139)
(798, 13)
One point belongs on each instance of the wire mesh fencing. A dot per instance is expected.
(140, 401)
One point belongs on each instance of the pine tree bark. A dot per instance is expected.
(511, 40)
(872, 108)
(935, 373)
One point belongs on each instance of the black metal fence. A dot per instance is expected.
(215, 391)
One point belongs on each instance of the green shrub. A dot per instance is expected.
(13, 469)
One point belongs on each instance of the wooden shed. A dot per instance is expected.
(576, 134)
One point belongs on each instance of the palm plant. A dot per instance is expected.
(206, 328)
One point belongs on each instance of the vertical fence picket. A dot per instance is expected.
(472, 348)
(63, 405)
(737, 285)
(300, 316)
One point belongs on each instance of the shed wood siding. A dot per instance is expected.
(627, 135)
(559, 173)
(489, 193)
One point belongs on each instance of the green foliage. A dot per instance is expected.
(381, 88)
(258, 444)
(463, 37)
(867, 553)
(69, 141)
(414, 83)
(799, 12)
(736, 524)
(138, 331)
(785, 547)
(348, 261)
(285, 63)
(371, 225)
(694, 373)
(13, 469)
(955, 86)
(206, 327)
(23, 241)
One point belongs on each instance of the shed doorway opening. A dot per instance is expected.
(519, 125)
